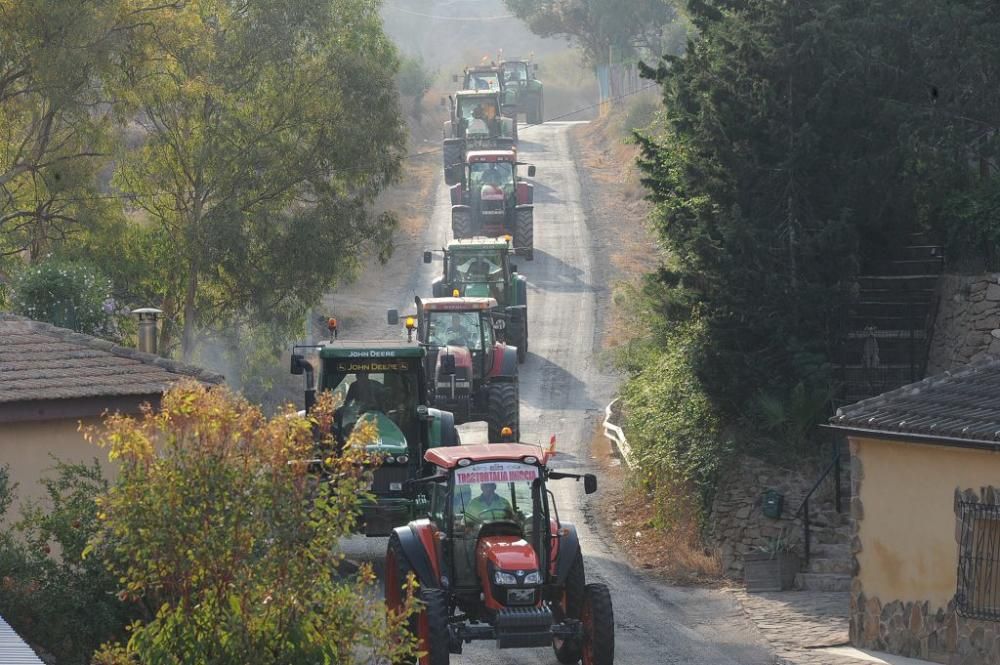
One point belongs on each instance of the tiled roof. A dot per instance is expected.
(962, 405)
(39, 361)
(13, 650)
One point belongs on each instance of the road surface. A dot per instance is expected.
(563, 392)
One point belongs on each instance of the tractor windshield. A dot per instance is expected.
(486, 266)
(458, 329)
(515, 71)
(492, 174)
(477, 114)
(482, 81)
(389, 391)
(494, 492)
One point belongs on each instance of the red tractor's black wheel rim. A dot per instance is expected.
(587, 619)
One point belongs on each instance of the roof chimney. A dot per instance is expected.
(147, 328)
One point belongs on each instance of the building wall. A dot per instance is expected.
(967, 327)
(906, 551)
(28, 447)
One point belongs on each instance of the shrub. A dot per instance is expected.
(230, 541)
(69, 295)
(49, 593)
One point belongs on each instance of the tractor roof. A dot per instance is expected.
(457, 304)
(491, 156)
(477, 93)
(474, 244)
(448, 457)
(376, 349)
(474, 69)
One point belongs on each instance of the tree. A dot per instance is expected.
(267, 130)
(218, 528)
(600, 25)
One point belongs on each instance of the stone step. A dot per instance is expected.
(908, 282)
(921, 266)
(904, 309)
(828, 566)
(923, 252)
(925, 296)
(822, 582)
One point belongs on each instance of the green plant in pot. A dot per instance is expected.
(771, 566)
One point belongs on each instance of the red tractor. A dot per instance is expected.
(491, 199)
(498, 566)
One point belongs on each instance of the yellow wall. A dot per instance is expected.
(907, 531)
(26, 447)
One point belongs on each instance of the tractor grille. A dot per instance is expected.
(385, 476)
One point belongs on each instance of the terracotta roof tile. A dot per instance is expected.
(39, 361)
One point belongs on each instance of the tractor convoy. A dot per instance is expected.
(474, 525)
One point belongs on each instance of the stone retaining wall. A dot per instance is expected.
(736, 523)
(967, 327)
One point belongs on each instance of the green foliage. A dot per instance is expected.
(971, 223)
(670, 421)
(49, 593)
(69, 295)
(598, 25)
(231, 543)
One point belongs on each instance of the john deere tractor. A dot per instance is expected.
(527, 92)
(476, 122)
(491, 199)
(472, 374)
(481, 267)
(383, 383)
(489, 77)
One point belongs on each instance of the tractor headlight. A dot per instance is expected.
(403, 459)
(533, 578)
(501, 578)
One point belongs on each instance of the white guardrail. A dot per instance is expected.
(616, 436)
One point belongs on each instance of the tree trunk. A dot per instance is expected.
(187, 338)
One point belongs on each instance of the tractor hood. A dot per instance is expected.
(463, 357)
(477, 290)
(390, 441)
(508, 553)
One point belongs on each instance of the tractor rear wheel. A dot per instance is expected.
(397, 569)
(451, 158)
(461, 224)
(524, 234)
(598, 626)
(434, 634)
(503, 411)
(568, 651)
(522, 342)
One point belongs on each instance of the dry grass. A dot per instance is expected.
(676, 553)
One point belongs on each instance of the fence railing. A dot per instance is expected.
(616, 436)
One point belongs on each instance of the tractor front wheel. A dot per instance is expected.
(433, 631)
(397, 570)
(461, 224)
(598, 626)
(503, 411)
(568, 651)
(524, 234)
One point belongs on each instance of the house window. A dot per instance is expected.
(979, 561)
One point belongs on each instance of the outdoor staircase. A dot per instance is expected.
(830, 563)
(888, 326)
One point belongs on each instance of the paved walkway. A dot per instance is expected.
(799, 624)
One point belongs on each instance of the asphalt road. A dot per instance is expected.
(563, 392)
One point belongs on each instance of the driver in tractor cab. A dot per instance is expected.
(479, 270)
(478, 123)
(365, 394)
(456, 330)
(489, 506)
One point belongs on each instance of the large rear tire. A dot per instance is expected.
(461, 224)
(522, 342)
(568, 652)
(524, 234)
(434, 634)
(451, 158)
(503, 411)
(598, 626)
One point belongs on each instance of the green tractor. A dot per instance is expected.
(489, 77)
(481, 267)
(476, 122)
(518, 78)
(383, 383)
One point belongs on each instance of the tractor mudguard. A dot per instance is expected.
(521, 291)
(443, 432)
(504, 364)
(569, 549)
(524, 206)
(525, 193)
(416, 555)
(456, 194)
(438, 288)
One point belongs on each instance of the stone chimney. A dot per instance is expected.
(148, 316)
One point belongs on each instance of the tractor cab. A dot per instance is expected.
(472, 373)
(478, 115)
(522, 88)
(482, 78)
(495, 562)
(482, 268)
(380, 388)
(491, 190)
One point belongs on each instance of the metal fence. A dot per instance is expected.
(979, 561)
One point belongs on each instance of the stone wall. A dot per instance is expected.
(967, 327)
(914, 629)
(737, 525)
